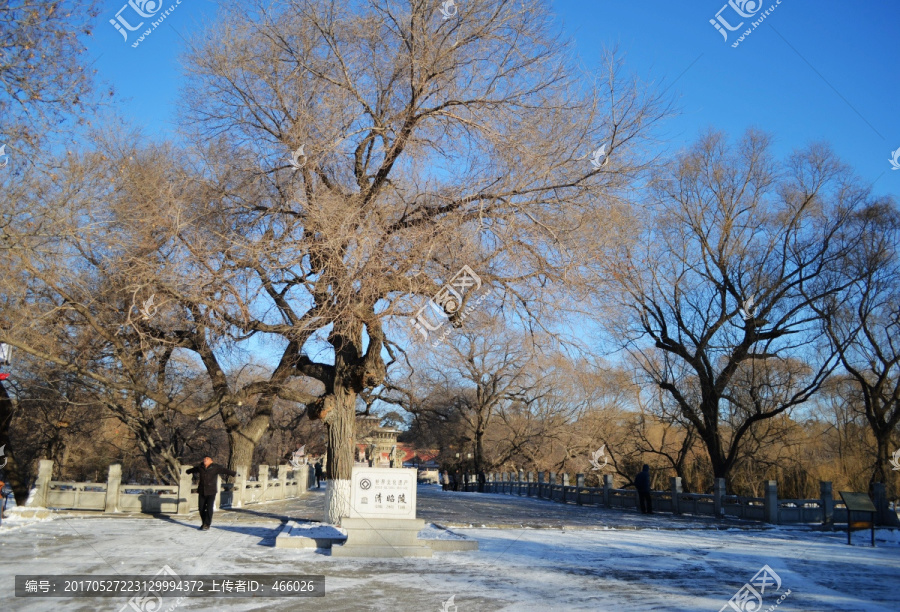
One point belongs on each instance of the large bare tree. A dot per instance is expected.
(863, 323)
(368, 150)
(713, 297)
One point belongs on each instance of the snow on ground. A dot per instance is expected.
(317, 530)
(601, 560)
(16, 518)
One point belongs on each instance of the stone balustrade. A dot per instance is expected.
(113, 496)
(769, 508)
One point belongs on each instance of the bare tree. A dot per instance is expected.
(44, 90)
(43, 80)
(417, 145)
(717, 287)
(478, 374)
(863, 323)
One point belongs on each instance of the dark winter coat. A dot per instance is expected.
(208, 475)
(642, 481)
(319, 471)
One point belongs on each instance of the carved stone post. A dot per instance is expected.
(676, 494)
(263, 482)
(184, 491)
(607, 489)
(282, 480)
(771, 502)
(240, 485)
(113, 481)
(827, 496)
(719, 497)
(45, 475)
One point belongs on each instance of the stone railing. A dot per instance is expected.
(112, 496)
(769, 508)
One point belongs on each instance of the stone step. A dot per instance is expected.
(382, 537)
(380, 551)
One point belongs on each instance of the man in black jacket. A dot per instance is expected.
(319, 473)
(206, 489)
(642, 484)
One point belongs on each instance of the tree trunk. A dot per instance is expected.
(479, 450)
(882, 454)
(340, 424)
(243, 442)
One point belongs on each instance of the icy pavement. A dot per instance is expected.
(598, 562)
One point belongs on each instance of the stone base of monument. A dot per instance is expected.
(368, 537)
(302, 534)
(296, 534)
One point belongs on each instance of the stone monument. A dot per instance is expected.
(382, 521)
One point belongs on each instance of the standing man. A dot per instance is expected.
(318, 473)
(642, 484)
(206, 489)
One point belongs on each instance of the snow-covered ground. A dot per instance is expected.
(624, 562)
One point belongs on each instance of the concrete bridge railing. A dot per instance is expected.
(768, 508)
(112, 496)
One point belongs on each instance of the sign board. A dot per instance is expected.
(857, 502)
(383, 493)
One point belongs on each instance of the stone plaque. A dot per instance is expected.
(383, 493)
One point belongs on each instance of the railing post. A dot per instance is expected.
(282, 479)
(676, 494)
(771, 502)
(263, 479)
(607, 488)
(184, 491)
(719, 497)
(826, 494)
(579, 482)
(240, 485)
(113, 480)
(884, 515)
(42, 487)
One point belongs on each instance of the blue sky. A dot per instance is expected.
(812, 70)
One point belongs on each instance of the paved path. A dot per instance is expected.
(596, 562)
(455, 509)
